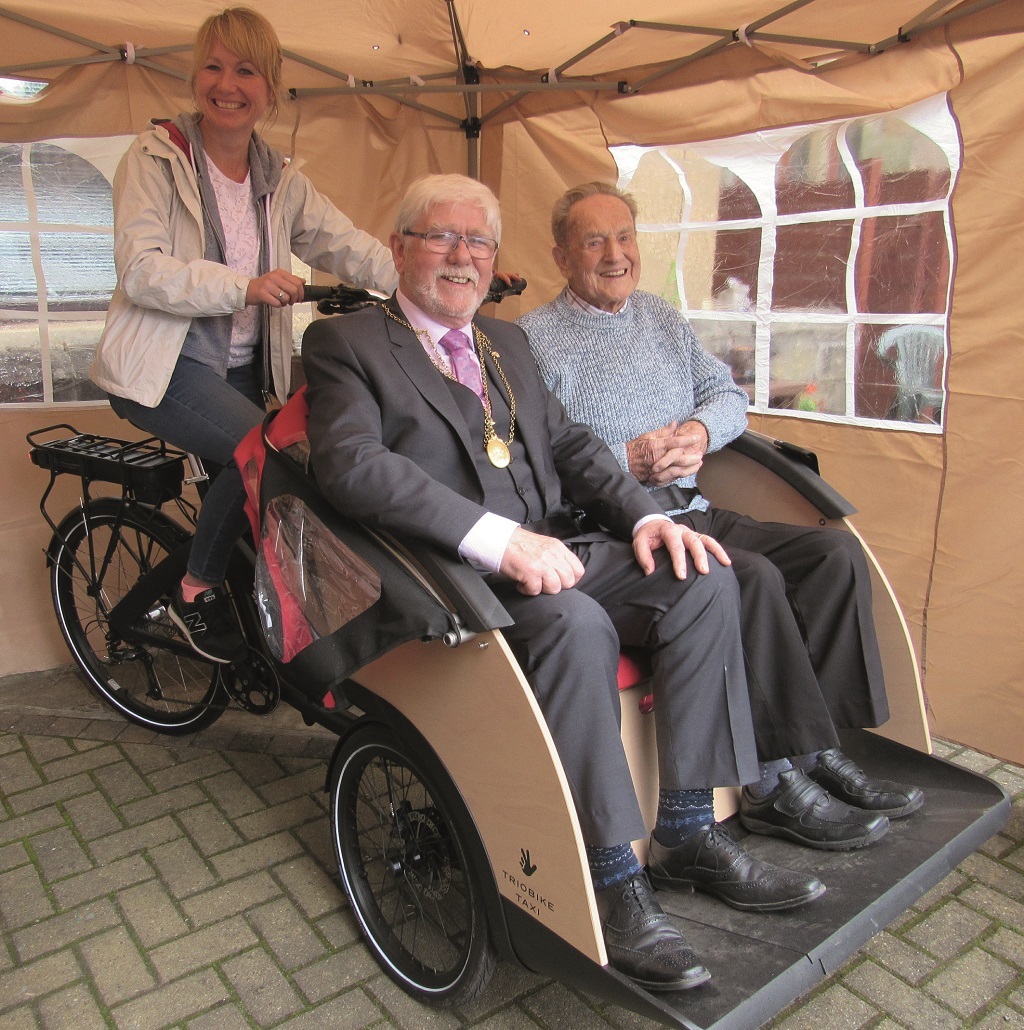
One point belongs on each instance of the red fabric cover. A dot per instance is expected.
(287, 427)
(289, 424)
(634, 668)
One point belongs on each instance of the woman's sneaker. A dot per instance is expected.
(209, 625)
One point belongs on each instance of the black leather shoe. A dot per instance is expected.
(802, 811)
(712, 861)
(845, 780)
(641, 940)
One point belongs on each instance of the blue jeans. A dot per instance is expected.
(209, 416)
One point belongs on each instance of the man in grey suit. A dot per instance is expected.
(407, 435)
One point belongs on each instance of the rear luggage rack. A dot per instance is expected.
(147, 469)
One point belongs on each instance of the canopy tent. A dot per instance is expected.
(531, 97)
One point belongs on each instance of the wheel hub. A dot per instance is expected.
(424, 859)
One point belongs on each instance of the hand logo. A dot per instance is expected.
(525, 864)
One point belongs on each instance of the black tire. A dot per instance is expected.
(156, 688)
(402, 838)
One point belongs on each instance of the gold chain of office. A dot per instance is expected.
(499, 452)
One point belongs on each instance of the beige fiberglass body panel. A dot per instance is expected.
(740, 484)
(476, 711)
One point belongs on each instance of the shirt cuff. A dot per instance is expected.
(484, 545)
(649, 518)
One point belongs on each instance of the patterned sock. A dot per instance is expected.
(805, 763)
(769, 777)
(681, 813)
(609, 866)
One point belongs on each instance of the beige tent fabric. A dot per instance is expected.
(916, 494)
(974, 644)
(940, 512)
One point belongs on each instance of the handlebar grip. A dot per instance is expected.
(341, 299)
(338, 292)
(499, 290)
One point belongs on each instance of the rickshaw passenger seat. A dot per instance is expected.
(287, 433)
(635, 670)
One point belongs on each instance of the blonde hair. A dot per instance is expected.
(432, 190)
(560, 216)
(247, 34)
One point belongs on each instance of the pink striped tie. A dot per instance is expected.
(464, 365)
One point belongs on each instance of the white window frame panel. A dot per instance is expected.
(753, 158)
(98, 152)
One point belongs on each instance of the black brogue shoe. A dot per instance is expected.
(710, 860)
(642, 941)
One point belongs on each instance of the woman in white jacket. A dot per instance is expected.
(198, 331)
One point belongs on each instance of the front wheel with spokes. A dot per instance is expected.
(402, 838)
(163, 688)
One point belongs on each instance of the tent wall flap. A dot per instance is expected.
(936, 510)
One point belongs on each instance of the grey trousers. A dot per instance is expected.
(568, 645)
(808, 632)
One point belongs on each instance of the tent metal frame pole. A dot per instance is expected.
(339, 91)
(909, 31)
(572, 85)
(467, 74)
(752, 35)
(315, 65)
(473, 139)
(690, 30)
(836, 44)
(603, 41)
(720, 44)
(72, 37)
(67, 62)
(72, 62)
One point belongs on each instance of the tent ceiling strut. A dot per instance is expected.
(464, 79)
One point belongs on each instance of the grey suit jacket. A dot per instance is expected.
(391, 449)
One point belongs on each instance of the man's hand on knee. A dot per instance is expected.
(540, 564)
(678, 540)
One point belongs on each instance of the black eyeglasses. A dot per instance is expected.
(441, 241)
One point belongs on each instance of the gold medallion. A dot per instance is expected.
(498, 453)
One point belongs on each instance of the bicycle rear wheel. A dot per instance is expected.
(160, 689)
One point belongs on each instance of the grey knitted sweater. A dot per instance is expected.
(626, 374)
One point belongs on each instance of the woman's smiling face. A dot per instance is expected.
(231, 95)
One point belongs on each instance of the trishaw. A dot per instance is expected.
(456, 837)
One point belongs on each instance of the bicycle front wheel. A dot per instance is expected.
(161, 689)
(402, 838)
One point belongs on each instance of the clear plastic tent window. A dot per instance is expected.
(308, 583)
(57, 254)
(56, 247)
(814, 260)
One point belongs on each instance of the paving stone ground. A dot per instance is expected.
(150, 882)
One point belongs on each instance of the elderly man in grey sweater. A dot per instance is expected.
(627, 364)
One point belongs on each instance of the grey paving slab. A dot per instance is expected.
(190, 883)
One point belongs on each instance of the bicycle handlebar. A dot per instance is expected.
(342, 299)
